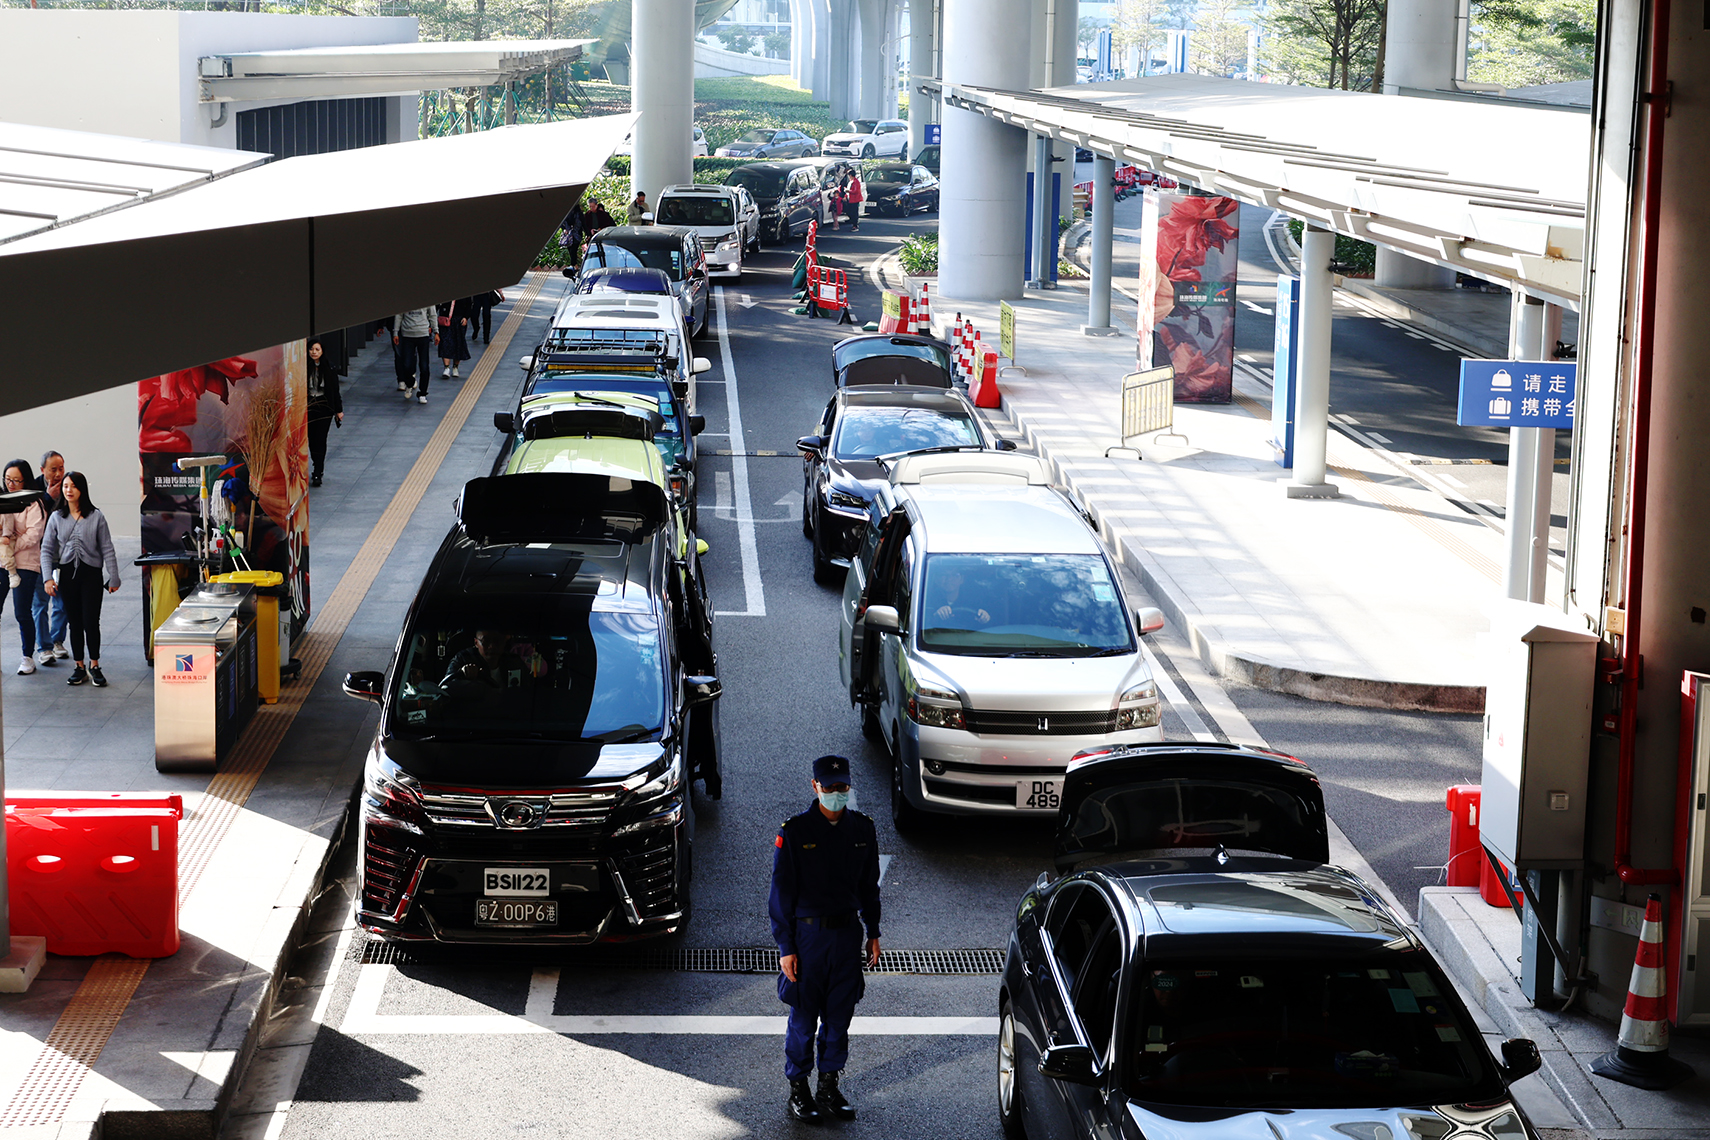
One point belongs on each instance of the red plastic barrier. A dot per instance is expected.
(902, 319)
(984, 388)
(96, 873)
(828, 289)
(1466, 854)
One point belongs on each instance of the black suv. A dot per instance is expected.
(552, 698)
(788, 194)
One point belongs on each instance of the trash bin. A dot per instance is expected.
(204, 677)
(164, 579)
(273, 633)
(95, 874)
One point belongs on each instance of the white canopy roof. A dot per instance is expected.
(376, 69)
(283, 251)
(1494, 190)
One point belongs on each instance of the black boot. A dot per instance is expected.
(802, 1106)
(831, 1099)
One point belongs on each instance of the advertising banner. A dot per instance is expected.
(252, 409)
(1187, 293)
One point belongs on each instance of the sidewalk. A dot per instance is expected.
(118, 1047)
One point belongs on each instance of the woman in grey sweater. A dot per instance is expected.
(78, 545)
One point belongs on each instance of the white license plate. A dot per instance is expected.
(1039, 795)
(516, 882)
(516, 912)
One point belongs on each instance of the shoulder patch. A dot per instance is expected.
(778, 841)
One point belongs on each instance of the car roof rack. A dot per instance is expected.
(563, 505)
(592, 420)
(970, 467)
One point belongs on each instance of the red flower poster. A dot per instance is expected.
(1187, 292)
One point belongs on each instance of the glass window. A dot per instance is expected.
(545, 667)
(757, 138)
(869, 432)
(1253, 1033)
(1075, 920)
(884, 173)
(696, 211)
(763, 183)
(1096, 988)
(1022, 605)
(862, 126)
(609, 253)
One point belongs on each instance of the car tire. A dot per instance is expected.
(905, 817)
(825, 571)
(807, 519)
(1010, 1111)
(871, 728)
(867, 151)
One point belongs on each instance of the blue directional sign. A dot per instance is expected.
(1286, 370)
(1518, 393)
(934, 133)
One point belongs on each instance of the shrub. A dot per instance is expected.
(919, 253)
(1354, 258)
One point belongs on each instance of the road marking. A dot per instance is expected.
(1256, 308)
(753, 589)
(364, 1019)
(1414, 335)
(1381, 438)
(747, 302)
(721, 494)
(1178, 700)
(884, 860)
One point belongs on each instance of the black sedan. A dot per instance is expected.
(1199, 971)
(928, 157)
(891, 358)
(899, 188)
(843, 462)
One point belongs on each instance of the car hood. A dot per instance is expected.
(845, 137)
(519, 766)
(880, 190)
(1039, 684)
(743, 148)
(861, 477)
(1421, 1122)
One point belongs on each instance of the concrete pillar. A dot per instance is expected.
(820, 85)
(843, 52)
(983, 211)
(1044, 221)
(800, 53)
(920, 21)
(1103, 234)
(1419, 45)
(1312, 407)
(1055, 24)
(872, 74)
(662, 71)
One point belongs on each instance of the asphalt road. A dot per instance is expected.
(479, 1040)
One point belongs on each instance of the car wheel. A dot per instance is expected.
(807, 519)
(1008, 1087)
(870, 726)
(867, 151)
(825, 571)
(905, 817)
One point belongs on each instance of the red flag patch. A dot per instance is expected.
(778, 842)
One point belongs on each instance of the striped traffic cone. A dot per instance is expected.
(1641, 1055)
(923, 313)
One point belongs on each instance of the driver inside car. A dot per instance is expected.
(493, 660)
(950, 602)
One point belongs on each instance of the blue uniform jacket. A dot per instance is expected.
(823, 868)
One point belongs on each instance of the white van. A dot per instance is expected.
(725, 218)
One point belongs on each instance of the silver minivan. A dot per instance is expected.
(985, 638)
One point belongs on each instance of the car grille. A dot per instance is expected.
(582, 807)
(651, 876)
(972, 793)
(1007, 723)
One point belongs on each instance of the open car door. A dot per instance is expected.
(866, 642)
(1190, 799)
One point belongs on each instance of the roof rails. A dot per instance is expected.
(970, 467)
(592, 420)
(560, 505)
(696, 188)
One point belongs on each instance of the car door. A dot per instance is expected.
(813, 462)
(878, 590)
(854, 588)
(1080, 941)
(925, 189)
(695, 257)
(893, 647)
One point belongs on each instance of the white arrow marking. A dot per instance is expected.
(1255, 308)
(747, 301)
(791, 501)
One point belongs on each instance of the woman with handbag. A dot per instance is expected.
(21, 555)
(481, 313)
(453, 334)
(326, 406)
(78, 545)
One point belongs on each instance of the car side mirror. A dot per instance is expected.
(1072, 1063)
(699, 365)
(810, 444)
(525, 362)
(1006, 445)
(701, 691)
(368, 686)
(504, 421)
(697, 424)
(1519, 1058)
(1149, 618)
(701, 546)
(883, 619)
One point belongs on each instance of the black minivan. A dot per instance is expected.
(551, 700)
(788, 194)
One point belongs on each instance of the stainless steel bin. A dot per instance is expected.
(204, 677)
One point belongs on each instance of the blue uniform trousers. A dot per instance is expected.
(829, 982)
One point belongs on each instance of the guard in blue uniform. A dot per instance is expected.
(825, 889)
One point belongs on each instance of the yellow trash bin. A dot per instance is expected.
(269, 588)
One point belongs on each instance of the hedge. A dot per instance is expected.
(1355, 258)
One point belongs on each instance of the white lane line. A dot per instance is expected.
(884, 865)
(1383, 439)
(721, 494)
(363, 1018)
(1173, 694)
(1256, 308)
(753, 589)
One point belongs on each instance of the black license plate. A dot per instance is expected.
(516, 912)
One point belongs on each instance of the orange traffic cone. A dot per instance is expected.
(923, 313)
(1641, 1055)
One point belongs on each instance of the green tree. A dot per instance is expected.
(1518, 43)
(778, 45)
(1219, 43)
(1086, 35)
(1324, 43)
(736, 38)
(1139, 24)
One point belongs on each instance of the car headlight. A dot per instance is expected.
(666, 782)
(390, 793)
(846, 501)
(728, 241)
(1138, 708)
(935, 708)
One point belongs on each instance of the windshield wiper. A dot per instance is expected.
(628, 734)
(891, 457)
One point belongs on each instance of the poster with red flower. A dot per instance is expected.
(1188, 267)
(253, 409)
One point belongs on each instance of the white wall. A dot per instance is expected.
(133, 73)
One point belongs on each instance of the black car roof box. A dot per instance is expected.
(544, 506)
(1190, 797)
(619, 423)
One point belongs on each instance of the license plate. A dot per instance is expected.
(1040, 795)
(516, 912)
(516, 882)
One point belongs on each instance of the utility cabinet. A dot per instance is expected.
(1537, 738)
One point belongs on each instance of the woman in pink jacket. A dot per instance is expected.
(21, 555)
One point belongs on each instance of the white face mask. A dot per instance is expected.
(834, 801)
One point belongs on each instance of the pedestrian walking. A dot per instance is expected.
(825, 889)
(326, 407)
(854, 194)
(598, 217)
(481, 314)
(415, 334)
(453, 317)
(837, 202)
(636, 215)
(21, 554)
(78, 545)
(49, 609)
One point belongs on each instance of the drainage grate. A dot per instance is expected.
(707, 960)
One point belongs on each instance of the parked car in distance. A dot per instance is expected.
(725, 217)
(899, 188)
(928, 157)
(891, 358)
(697, 144)
(625, 280)
(787, 194)
(985, 638)
(513, 793)
(1199, 972)
(868, 138)
(675, 249)
(763, 143)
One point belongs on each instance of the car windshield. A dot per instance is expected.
(558, 671)
(623, 283)
(867, 433)
(1022, 605)
(862, 126)
(756, 138)
(699, 211)
(552, 385)
(882, 173)
(608, 254)
(760, 183)
(1246, 1034)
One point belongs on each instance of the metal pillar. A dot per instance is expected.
(983, 215)
(662, 71)
(1531, 465)
(1044, 220)
(920, 21)
(1312, 408)
(1103, 234)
